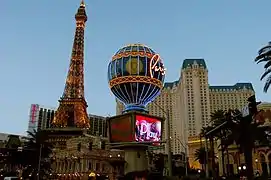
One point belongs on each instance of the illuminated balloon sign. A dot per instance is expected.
(136, 76)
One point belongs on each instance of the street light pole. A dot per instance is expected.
(185, 146)
(168, 144)
(186, 161)
(39, 162)
(206, 158)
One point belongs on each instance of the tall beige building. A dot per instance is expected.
(191, 100)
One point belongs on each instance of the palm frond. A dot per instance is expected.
(218, 117)
(268, 64)
(265, 73)
(267, 84)
(265, 56)
(262, 60)
(264, 52)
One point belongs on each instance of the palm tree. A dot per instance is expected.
(203, 134)
(13, 159)
(217, 118)
(240, 134)
(264, 55)
(200, 156)
(222, 129)
(37, 153)
(237, 129)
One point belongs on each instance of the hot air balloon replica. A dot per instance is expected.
(136, 76)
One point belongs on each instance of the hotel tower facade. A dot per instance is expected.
(191, 100)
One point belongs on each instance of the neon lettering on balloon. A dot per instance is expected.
(153, 65)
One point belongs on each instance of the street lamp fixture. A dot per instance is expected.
(185, 146)
(168, 143)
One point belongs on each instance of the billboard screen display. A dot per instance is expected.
(121, 129)
(147, 129)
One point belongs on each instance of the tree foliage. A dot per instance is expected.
(233, 128)
(27, 156)
(264, 56)
(38, 151)
(200, 155)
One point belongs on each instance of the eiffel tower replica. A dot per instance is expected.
(71, 118)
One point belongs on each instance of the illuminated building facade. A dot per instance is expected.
(86, 158)
(41, 117)
(8, 142)
(191, 100)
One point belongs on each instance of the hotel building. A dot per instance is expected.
(40, 117)
(190, 101)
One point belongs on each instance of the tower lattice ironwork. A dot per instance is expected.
(72, 110)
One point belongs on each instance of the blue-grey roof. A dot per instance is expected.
(236, 86)
(171, 84)
(189, 62)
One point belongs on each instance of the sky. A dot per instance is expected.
(37, 36)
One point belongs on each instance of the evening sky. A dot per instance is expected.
(37, 37)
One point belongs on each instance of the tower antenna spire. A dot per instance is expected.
(82, 3)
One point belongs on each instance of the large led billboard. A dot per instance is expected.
(135, 127)
(147, 128)
(120, 128)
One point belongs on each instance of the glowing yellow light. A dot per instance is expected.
(133, 65)
(92, 174)
(135, 79)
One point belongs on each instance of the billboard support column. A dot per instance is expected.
(134, 132)
(136, 159)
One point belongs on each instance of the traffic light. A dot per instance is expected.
(90, 146)
(79, 147)
(252, 105)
